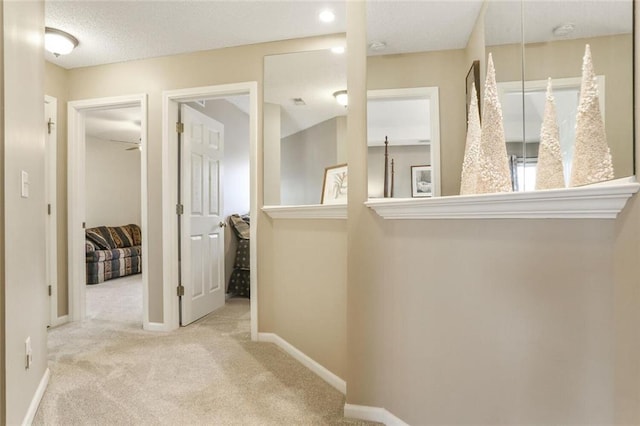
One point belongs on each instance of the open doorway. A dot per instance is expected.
(222, 102)
(113, 245)
(107, 137)
(214, 163)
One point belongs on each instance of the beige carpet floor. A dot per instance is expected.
(108, 371)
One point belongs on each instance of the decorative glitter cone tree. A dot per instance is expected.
(494, 175)
(470, 165)
(549, 171)
(591, 155)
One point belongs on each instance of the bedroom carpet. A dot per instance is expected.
(108, 371)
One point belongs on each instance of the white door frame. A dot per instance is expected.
(170, 106)
(76, 193)
(52, 200)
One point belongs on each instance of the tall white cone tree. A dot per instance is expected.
(591, 155)
(470, 165)
(549, 171)
(494, 173)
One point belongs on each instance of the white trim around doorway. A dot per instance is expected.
(52, 208)
(170, 105)
(76, 193)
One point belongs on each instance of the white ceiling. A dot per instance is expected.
(114, 125)
(313, 76)
(115, 31)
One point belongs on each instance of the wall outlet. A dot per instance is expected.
(28, 353)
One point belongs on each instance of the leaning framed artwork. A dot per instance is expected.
(421, 184)
(473, 76)
(335, 185)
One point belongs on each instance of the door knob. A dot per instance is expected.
(222, 224)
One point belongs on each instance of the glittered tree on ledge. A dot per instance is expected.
(470, 165)
(591, 155)
(494, 171)
(549, 171)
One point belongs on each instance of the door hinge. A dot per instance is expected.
(49, 290)
(84, 225)
(180, 290)
(179, 209)
(49, 209)
(49, 125)
(180, 127)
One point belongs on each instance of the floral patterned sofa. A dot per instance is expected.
(112, 252)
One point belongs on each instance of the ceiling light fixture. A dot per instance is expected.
(564, 29)
(341, 97)
(327, 16)
(338, 50)
(377, 45)
(59, 42)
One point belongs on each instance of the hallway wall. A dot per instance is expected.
(25, 308)
(487, 321)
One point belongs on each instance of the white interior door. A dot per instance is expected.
(201, 224)
(51, 235)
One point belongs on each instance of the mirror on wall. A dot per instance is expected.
(408, 121)
(434, 44)
(555, 37)
(304, 124)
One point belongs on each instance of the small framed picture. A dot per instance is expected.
(334, 187)
(421, 181)
(473, 77)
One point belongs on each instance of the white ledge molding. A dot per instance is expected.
(313, 211)
(599, 201)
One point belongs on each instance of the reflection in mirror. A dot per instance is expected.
(409, 120)
(555, 36)
(304, 126)
(421, 47)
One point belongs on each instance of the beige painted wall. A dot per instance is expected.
(271, 135)
(26, 300)
(304, 157)
(3, 282)
(112, 177)
(56, 83)
(306, 303)
(486, 321)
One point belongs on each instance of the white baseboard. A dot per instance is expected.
(60, 320)
(305, 360)
(156, 326)
(37, 397)
(372, 414)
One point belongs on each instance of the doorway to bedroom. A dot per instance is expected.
(113, 214)
(214, 199)
(107, 210)
(182, 183)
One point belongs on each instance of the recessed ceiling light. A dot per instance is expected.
(327, 16)
(564, 29)
(377, 45)
(338, 50)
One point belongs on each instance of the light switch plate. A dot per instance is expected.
(24, 186)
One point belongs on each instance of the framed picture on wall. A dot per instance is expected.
(335, 185)
(421, 184)
(473, 76)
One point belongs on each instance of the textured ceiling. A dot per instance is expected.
(116, 31)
